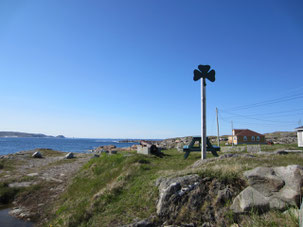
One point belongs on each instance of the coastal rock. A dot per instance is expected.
(104, 148)
(248, 199)
(264, 180)
(33, 174)
(270, 188)
(37, 154)
(20, 212)
(187, 198)
(133, 147)
(21, 184)
(141, 223)
(69, 155)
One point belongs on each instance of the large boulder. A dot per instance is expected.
(270, 188)
(69, 155)
(194, 199)
(249, 198)
(37, 154)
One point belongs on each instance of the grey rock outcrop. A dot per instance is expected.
(107, 148)
(141, 223)
(270, 188)
(193, 199)
(171, 188)
(37, 154)
(175, 143)
(69, 155)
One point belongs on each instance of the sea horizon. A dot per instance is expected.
(10, 145)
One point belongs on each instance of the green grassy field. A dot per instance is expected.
(116, 189)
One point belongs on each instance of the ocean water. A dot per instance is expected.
(8, 221)
(13, 145)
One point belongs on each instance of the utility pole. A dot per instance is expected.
(232, 133)
(218, 133)
(203, 73)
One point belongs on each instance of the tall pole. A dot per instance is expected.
(203, 73)
(203, 119)
(232, 133)
(218, 133)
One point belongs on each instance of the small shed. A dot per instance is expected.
(300, 136)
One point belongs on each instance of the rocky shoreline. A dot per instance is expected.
(36, 182)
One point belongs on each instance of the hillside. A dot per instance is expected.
(24, 134)
(281, 137)
(129, 189)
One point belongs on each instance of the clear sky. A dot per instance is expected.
(124, 69)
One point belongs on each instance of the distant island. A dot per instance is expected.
(27, 135)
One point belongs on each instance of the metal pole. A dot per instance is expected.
(232, 133)
(203, 119)
(218, 133)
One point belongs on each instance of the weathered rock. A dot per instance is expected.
(224, 195)
(281, 152)
(95, 156)
(270, 188)
(192, 199)
(113, 152)
(33, 174)
(104, 148)
(37, 154)
(264, 180)
(20, 212)
(250, 199)
(141, 223)
(70, 155)
(20, 184)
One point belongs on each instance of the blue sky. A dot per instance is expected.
(124, 69)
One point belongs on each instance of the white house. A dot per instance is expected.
(300, 136)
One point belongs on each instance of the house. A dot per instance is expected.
(300, 136)
(246, 136)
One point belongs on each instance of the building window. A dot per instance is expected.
(258, 138)
(252, 138)
(245, 138)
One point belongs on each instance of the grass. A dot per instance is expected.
(7, 194)
(116, 189)
(275, 147)
(272, 218)
(9, 164)
(241, 164)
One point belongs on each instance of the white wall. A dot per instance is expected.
(300, 138)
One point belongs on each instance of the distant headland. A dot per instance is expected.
(28, 135)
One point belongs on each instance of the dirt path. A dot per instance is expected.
(40, 181)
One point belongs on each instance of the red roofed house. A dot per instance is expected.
(246, 136)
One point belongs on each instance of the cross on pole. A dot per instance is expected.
(203, 73)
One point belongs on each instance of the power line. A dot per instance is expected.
(258, 119)
(270, 102)
(279, 112)
(264, 123)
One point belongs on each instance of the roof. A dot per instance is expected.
(246, 132)
(299, 128)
